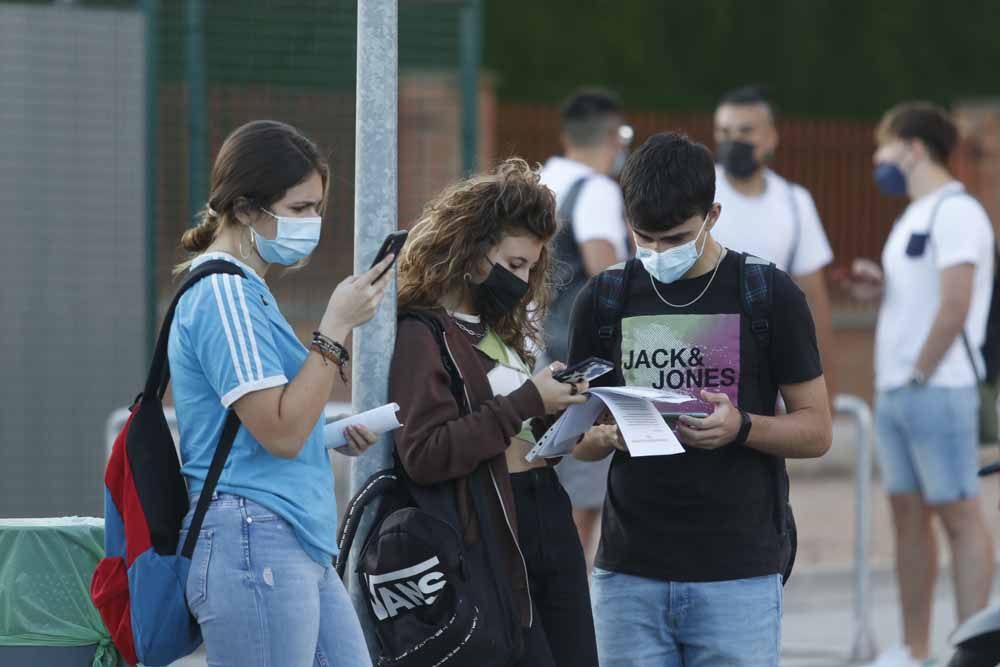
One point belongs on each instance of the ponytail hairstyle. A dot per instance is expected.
(257, 164)
(459, 227)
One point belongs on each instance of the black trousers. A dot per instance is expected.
(563, 631)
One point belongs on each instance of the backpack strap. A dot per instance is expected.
(568, 205)
(756, 285)
(222, 450)
(159, 370)
(610, 301)
(374, 488)
(980, 377)
(757, 298)
(156, 385)
(797, 226)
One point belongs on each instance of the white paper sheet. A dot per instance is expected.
(644, 430)
(378, 420)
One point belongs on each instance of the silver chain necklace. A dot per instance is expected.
(458, 323)
(718, 263)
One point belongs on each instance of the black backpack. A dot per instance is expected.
(569, 275)
(433, 599)
(756, 281)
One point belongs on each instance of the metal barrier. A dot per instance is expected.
(863, 638)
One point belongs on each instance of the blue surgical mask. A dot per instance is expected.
(295, 240)
(890, 179)
(671, 264)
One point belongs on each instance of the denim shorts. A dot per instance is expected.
(261, 600)
(927, 442)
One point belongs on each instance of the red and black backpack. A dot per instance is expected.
(139, 586)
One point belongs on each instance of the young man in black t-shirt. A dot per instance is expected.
(688, 571)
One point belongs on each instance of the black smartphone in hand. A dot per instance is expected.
(586, 370)
(392, 244)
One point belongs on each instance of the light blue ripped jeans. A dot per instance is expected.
(261, 600)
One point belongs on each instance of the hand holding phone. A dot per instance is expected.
(392, 244)
(587, 370)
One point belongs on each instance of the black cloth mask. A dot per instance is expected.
(500, 293)
(736, 157)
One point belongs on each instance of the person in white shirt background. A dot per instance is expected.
(592, 236)
(935, 281)
(766, 215)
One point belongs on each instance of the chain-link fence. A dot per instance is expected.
(111, 113)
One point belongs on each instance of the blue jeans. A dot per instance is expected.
(928, 442)
(261, 600)
(652, 623)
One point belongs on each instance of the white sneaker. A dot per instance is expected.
(897, 656)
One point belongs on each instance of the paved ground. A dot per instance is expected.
(818, 628)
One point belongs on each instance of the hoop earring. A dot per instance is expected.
(246, 255)
(467, 277)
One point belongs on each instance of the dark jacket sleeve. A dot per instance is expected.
(435, 443)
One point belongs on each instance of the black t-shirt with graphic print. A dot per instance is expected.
(701, 515)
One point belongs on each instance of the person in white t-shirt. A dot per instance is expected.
(936, 283)
(592, 236)
(766, 215)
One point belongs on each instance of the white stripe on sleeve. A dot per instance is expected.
(225, 327)
(250, 333)
(226, 280)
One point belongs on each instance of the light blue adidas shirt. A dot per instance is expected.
(228, 339)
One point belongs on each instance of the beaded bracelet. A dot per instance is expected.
(331, 351)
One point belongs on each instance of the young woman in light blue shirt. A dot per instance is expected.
(261, 583)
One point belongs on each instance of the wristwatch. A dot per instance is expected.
(745, 424)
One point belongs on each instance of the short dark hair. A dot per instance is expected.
(585, 115)
(748, 95)
(666, 181)
(920, 120)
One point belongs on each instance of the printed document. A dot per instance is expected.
(636, 410)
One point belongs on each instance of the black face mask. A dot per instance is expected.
(499, 293)
(736, 157)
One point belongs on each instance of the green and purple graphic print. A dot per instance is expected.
(685, 353)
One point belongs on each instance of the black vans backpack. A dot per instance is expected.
(756, 289)
(433, 600)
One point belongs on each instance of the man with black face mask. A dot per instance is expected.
(767, 215)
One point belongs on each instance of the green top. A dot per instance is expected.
(493, 346)
(45, 571)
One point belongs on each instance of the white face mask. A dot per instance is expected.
(671, 264)
(295, 240)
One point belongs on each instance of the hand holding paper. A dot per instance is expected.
(378, 420)
(634, 410)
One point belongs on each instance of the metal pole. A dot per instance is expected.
(151, 10)
(470, 49)
(375, 212)
(194, 66)
(863, 645)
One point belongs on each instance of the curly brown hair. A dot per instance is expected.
(459, 227)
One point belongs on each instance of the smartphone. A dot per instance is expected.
(587, 370)
(991, 469)
(393, 243)
(673, 418)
